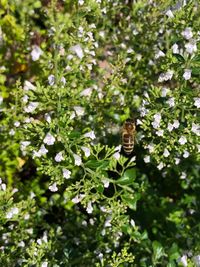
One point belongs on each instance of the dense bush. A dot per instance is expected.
(71, 73)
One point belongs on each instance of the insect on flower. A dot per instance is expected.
(128, 136)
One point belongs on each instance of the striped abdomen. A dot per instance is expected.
(128, 143)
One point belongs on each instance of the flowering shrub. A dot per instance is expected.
(72, 72)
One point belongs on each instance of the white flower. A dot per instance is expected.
(3, 187)
(147, 159)
(151, 148)
(86, 92)
(197, 260)
(49, 139)
(166, 76)
(160, 132)
(105, 183)
(169, 14)
(116, 155)
(176, 124)
(78, 198)
(72, 116)
(156, 122)
(63, 80)
(24, 144)
(118, 148)
(187, 33)
(175, 49)
(36, 53)
(182, 140)
(170, 127)
(25, 98)
(47, 117)
(28, 86)
(164, 92)
(187, 74)
(77, 160)
(77, 50)
(183, 260)
(196, 129)
(89, 208)
(171, 102)
(12, 132)
(51, 79)
(53, 187)
(80, 2)
(31, 107)
(1, 100)
(79, 110)
(166, 153)
(90, 135)
(59, 157)
(17, 124)
(108, 221)
(191, 47)
(138, 57)
(132, 222)
(197, 102)
(42, 151)
(12, 212)
(160, 166)
(159, 54)
(44, 264)
(186, 154)
(66, 173)
(177, 161)
(86, 150)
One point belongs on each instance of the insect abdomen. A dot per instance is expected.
(128, 143)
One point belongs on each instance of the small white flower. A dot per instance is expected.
(138, 57)
(166, 153)
(132, 222)
(63, 80)
(49, 139)
(17, 124)
(89, 208)
(31, 107)
(191, 47)
(160, 132)
(160, 166)
(197, 102)
(118, 148)
(25, 98)
(3, 187)
(187, 33)
(44, 264)
(47, 117)
(166, 76)
(170, 14)
(77, 160)
(151, 148)
(77, 50)
(187, 74)
(66, 173)
(78, 198)
(196, 129)
(105, 183)
(170, 127)
(80, 2)
(156, 122)
(90, 135)
(42, 151)
(36, 53)
(79, 110)
(186, 154)
(183, 260)
(108, 221)
(182, 140)
(86, 92)
(21, 244)
(12, 132)
(176, 124)
(28, 86)
(86, 150)
(12, 212)
(147, 159)
(53, 187)
(72, 116)
(164, 92)
(59, 157)
(1, 100)
(24, 144)
(171, 102)
(51, 79)
(175, 49)
(159, 54)
(177, 161)
(116, 155)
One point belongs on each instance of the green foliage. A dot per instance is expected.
(72, 72)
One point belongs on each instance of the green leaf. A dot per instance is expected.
(130, 200)
(158, 251)
(74, 134)
(128, 177)
(174, 252)
(179, 58)
(94, 164)
(100, 188)
(196, 59)
(196, 71)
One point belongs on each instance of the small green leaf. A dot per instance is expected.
(128, 177)
(158, 251)
(179, 58)
(74, 135)
(130, 200)
(94, 164)
(196, 71)
(196, 59)
(100, 188)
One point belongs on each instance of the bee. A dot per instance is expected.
(128, 136)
